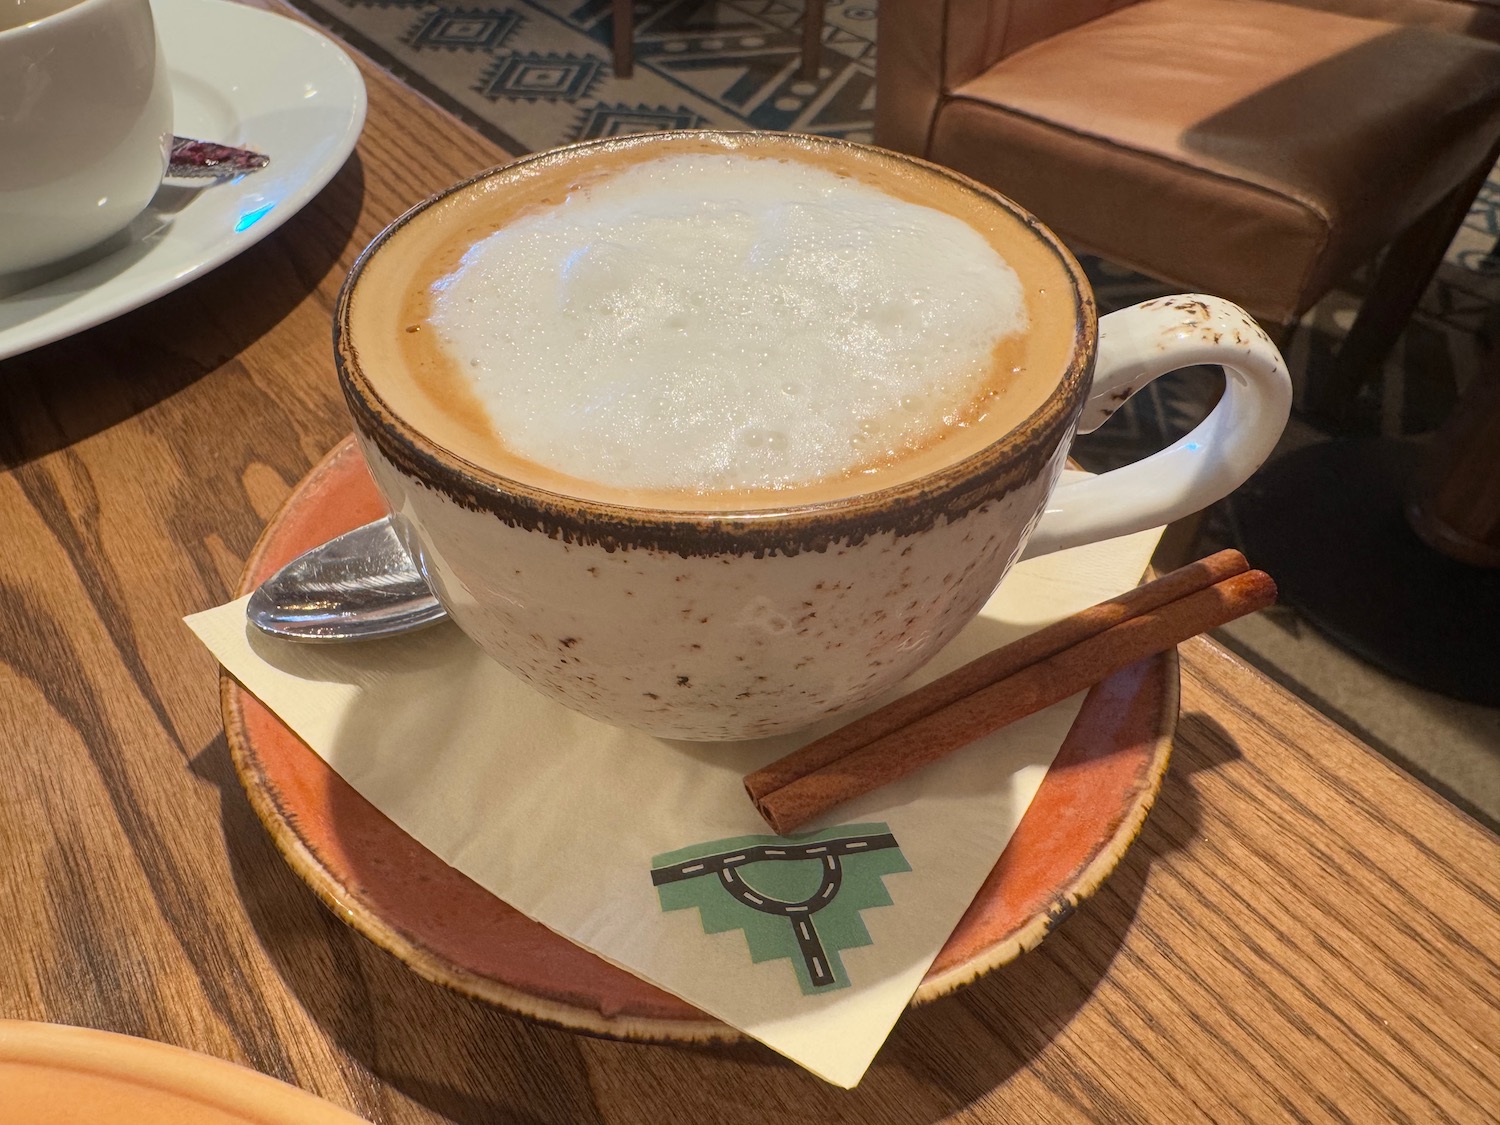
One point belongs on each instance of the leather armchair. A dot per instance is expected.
(1257, 150)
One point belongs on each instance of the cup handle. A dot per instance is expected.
(1136, 345)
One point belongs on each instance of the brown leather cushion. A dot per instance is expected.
(1471, 17)
(1249, 148)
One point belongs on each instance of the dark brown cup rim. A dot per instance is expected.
(908, 507)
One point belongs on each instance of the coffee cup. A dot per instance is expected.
(716, 434)
(85, 125)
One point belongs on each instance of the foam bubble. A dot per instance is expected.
(711, 323)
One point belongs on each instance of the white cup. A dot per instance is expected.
(85, 124)
(720, 625)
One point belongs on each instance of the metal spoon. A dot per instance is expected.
(356, 587)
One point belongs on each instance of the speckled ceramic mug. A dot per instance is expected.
(739, 623)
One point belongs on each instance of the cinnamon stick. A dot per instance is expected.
(1020, 691)
(993, 666)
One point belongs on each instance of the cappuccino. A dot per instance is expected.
(716, 323)
(569, 378)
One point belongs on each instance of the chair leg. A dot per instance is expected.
(624, 31)
(1455, 501)
(1407, 269)
(812, 39)
(1456, 509)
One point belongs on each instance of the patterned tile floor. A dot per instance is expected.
(534, 74)
(537, 73)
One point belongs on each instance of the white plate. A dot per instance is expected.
(240, 76)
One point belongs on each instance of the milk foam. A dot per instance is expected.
(717, 323)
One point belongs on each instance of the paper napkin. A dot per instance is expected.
(648, 851)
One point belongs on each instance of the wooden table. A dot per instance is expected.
(1301, 931)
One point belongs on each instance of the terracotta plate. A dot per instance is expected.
(50, 1073)
(452, 931)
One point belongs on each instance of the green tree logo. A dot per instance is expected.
(794, 898)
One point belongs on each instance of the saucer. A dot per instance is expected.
(450, 930)
(239, 76)
(52, 1072)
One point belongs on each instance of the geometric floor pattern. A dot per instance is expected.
(535, 74)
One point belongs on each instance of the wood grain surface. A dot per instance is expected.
(1301, 932)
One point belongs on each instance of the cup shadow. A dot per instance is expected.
(941, 1057)
(79, 386)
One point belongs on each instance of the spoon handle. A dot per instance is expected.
(192, 159)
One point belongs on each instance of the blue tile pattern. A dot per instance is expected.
(603, 120)
(541, 77)
(468, 29)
